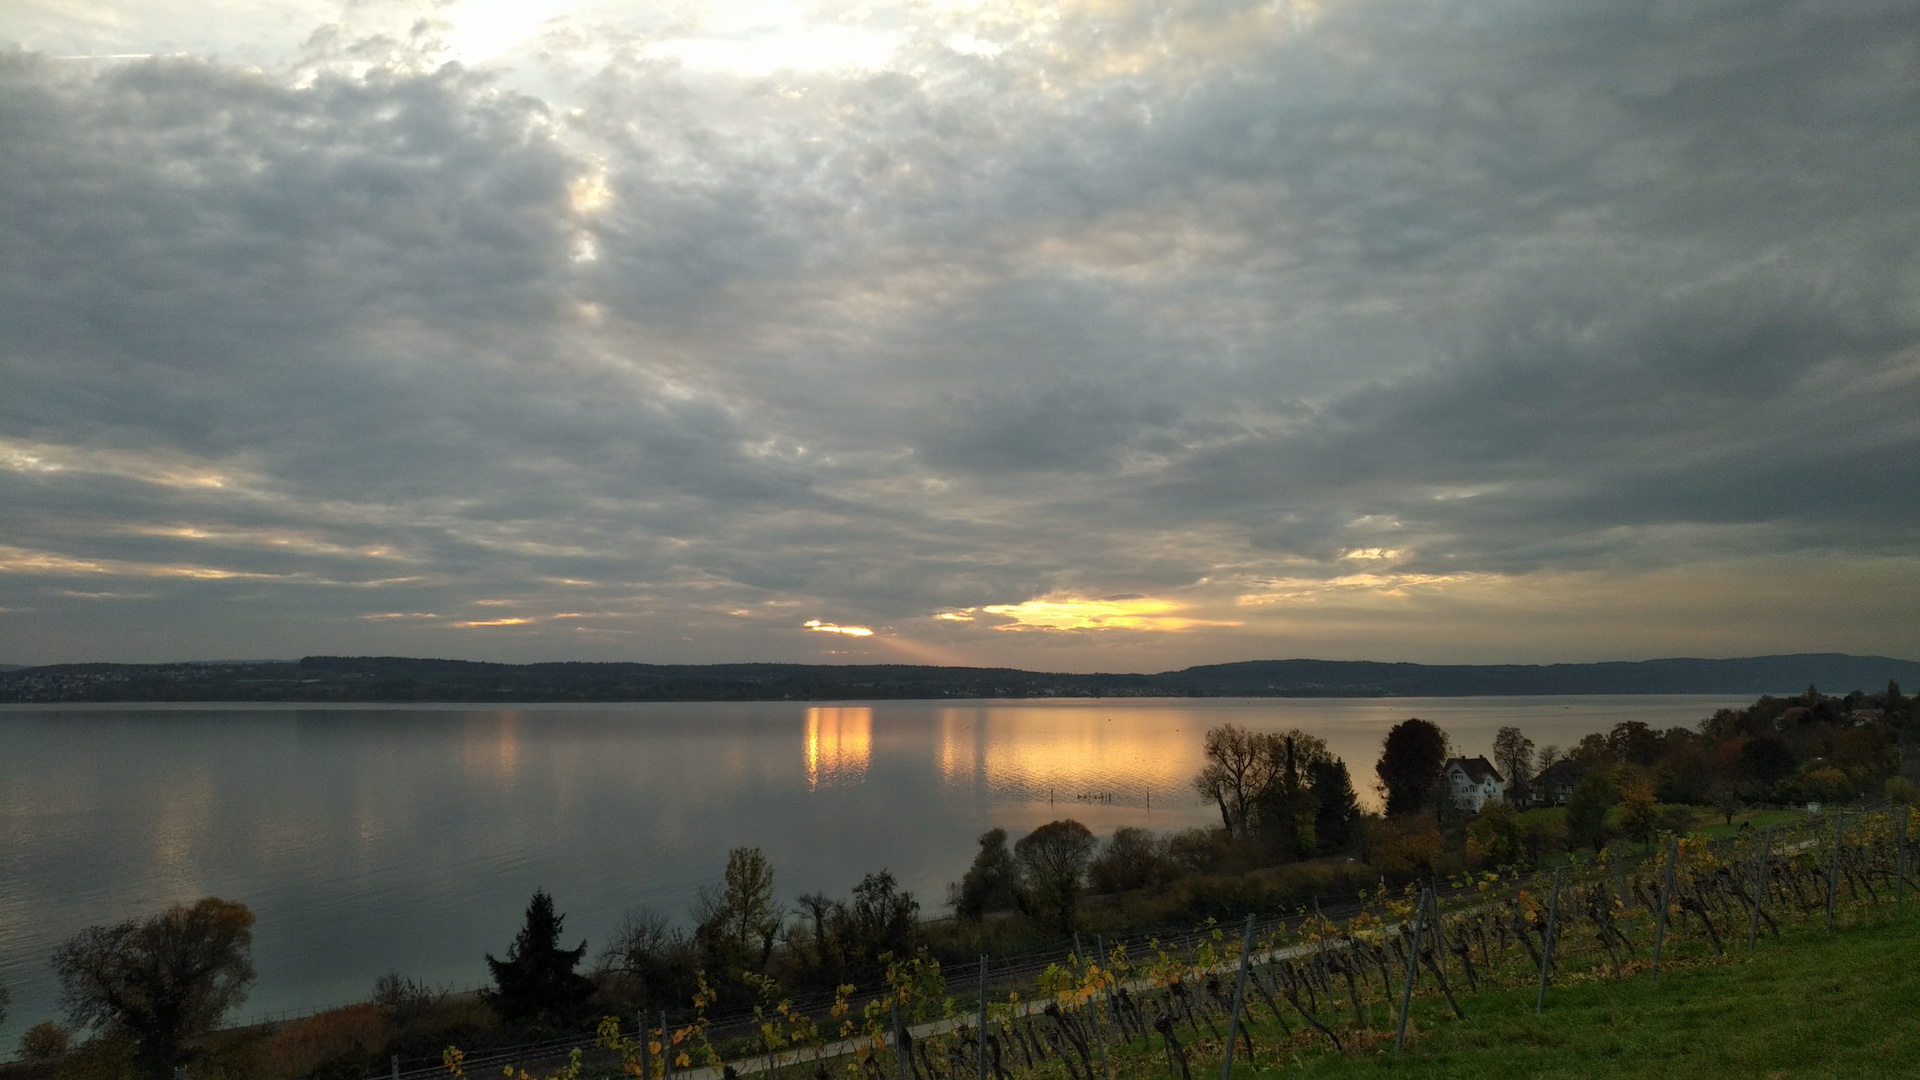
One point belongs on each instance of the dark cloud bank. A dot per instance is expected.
(1448, 332)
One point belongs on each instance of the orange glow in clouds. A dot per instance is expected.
(1058, 611)
(832, 628)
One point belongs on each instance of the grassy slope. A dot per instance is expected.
(1808, 1005)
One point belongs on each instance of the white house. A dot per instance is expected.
(1472, 782)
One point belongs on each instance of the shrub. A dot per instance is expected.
(45, 1041)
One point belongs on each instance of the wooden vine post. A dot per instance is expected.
(1413, 971)
(1239, 997)
(981, 1032)
(646, 1059)
(1833, 867)
(1900, 860)
(666, 1049)
(900, 1059)
(1766, 853)
(1546, 945)
(1666, 893)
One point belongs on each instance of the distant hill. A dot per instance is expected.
(403, 679)
(1748, 675)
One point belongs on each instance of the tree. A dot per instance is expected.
(1587, 810)
(1405, 845)
(45, 1041)
(1055, 856)
(992, 883)
(1634, 742)
(1240, 765)
(1513, 756)
(536, 986)
(405, 999)
(159, 982)
(1592, 751)
(1132, 859)
(1765, 762)
(1726, 800)
(883, 918)
(1639, 811)
(1285, 810)
(1410, 761)
(1337, 807)
(737, 927)
(849, 938)
(650, 960)
(1495, 838)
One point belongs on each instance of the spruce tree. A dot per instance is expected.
(536, 986)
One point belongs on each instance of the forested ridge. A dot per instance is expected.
(404, 679)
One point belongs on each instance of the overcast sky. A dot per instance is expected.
(1086, 336)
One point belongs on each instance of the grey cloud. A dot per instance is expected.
(1502, 287)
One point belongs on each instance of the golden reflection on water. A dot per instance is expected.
(490, 746)
(181, 825)
(839, 745)
(1071, 753)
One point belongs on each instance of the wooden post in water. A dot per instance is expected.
(1666, 892)
(1239, 999)
(1546, 944)
(1413, 970)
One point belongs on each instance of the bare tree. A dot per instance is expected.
(1513, 756)
(1240, 765)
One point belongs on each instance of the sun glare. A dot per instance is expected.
(1066, 612)
(833, 628)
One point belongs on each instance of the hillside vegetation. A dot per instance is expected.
(402, 679)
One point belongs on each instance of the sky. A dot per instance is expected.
(1102, 335)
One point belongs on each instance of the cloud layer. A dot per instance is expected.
(1086, 336)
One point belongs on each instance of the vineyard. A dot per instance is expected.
(1310, 983)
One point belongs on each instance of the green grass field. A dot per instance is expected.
(1807, 1005)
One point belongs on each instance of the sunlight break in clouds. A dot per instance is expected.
(830, 628)
(1063, 612)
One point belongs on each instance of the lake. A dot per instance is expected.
(376, 838)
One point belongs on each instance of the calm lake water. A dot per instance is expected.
(367, 839)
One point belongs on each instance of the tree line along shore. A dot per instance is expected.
(407, 679)
(148, 996)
